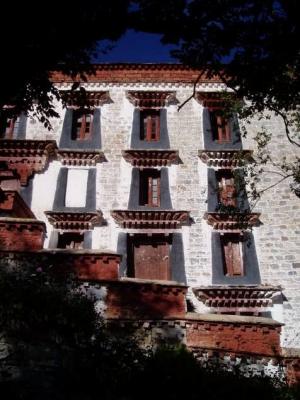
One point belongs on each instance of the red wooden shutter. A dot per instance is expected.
(227, 191)
(232, 256)
(8, 128)
(223, 129)
(83, 123)
(149, 202)
(151, 260)
(156, 133)
(153, 189)
(150, 126)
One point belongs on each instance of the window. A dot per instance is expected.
(149, 257)
(226, 188)
(150, 125)
(8, 126)
(82, 125)
(232, 254)
(76, 188)
(149, 188)
(220, 127)
(70, 240)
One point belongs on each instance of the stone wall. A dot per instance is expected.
(277, 239)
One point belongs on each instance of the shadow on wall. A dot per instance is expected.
(26, 192)
(122, 249)
(137, 143)
(209, 144)
(177, 259)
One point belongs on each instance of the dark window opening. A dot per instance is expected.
(8, 125)
(232, 255)
(220, 126)
(150, 125)
(227, 194)
(70, 240)
(149, 188)
(82, 125)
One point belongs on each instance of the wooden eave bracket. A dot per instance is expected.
(156, 219)
(232, 222)
(237, 296)
(74, 221)
(151, 158)
(85, 98)
(80, 157)
(214, 100)
(225, 159)
(26, 156)
(151, 99)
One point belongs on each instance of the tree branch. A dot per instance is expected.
(193, 94)
(286, 124)
(267, 188)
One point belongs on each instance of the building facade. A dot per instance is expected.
(143, 201)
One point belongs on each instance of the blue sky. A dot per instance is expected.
(138, 47)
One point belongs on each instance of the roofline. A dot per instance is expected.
(139, 73)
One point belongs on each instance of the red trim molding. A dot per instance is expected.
(80, 157)
(232, 222)
(159, 219)
(151, 158)
(137, 298)
(225, 159)
(19, 234)
(26, 156)
(74, 221)
(151, 99)
(126, 73)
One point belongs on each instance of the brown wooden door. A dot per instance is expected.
(151, 260)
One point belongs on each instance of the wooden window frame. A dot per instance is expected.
(227, 194)
(8, 127)
(80, 132)
(150, 125)
(153, 240)
(147, 192)
(233, 255)
(63, 239)
(221, 132)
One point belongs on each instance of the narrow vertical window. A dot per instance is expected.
(149, 188)
(76, 188)
(82, 125)
(226, 188)
(232, 253)
(7, 127)
(220, 127)
(150, 125)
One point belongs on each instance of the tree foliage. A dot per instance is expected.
(254, 47)
(54, 345)
(60, 36)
